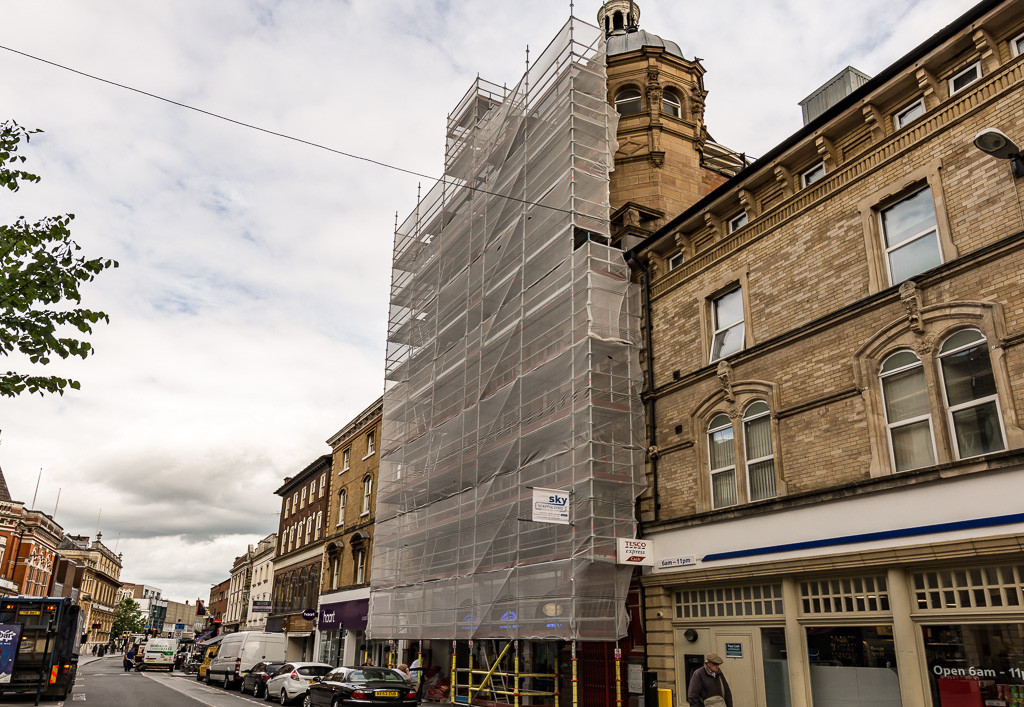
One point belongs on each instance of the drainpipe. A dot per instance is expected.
(652, 430)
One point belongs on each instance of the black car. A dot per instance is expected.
(361, 686)
(255, 681)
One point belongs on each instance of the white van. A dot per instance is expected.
(158, 653)
(240, 651)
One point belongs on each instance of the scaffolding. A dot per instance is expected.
(512, 365)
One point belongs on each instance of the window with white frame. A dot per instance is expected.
(964, 78)
(910, 235)
(908, 418)
(727, 324)
(737, 222)
(341, 507)
(722, 459)
(319, 525)
(360, 559)
(1017, 45)
(909, 114)
(812, 175)
(309, 528)
(670, 103)
(367, 493)
(969, 388)
(302, 500)
(295, 501)
(628, 101)
(335, 570)
(286, 503)
(312, 490)
(760, 458)
(323, 484)
(344, 460)
(676, 260)
(369, 443)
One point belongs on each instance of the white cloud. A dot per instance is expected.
(248, 316)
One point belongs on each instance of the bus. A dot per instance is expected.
(39, 642)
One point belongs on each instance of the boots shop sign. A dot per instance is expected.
(635, 552)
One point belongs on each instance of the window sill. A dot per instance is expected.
(364, 514)
(368, 456)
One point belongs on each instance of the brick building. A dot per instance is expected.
(297, 567)
(344, 590)
(834, 389)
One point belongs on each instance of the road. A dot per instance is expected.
(103, 683)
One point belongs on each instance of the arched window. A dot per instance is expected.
(972, 405)
(342, 496)
(628, 101)
(757, 439)
(367, 494)
(907, 411)
(618, 21)
(671, 103)
(722, 454)
(360, 561)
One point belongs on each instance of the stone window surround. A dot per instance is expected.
(728, 282)
(871, 218)
(733, 399)
(922, 331)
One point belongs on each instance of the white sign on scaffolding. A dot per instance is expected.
(550, 506)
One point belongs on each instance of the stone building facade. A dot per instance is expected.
(835, 370)
(300, 542)
(100, 582)
(262, 584)
(344, 589)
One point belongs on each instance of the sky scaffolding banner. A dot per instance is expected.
(551, 506)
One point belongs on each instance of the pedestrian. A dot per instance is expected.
(403, 670)
(129, 659)
(708, 687)
(94, 647)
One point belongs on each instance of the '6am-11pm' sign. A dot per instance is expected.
(635, 552)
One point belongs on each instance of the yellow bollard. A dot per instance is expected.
(664, 697)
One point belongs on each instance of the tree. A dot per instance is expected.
(40, 275)
(127, 618)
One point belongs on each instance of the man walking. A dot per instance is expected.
(708, 687)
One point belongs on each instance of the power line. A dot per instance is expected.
(285, 136)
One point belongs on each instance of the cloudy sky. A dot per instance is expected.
(248, 315)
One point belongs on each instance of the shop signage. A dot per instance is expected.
(344, 614)
(635, 552)
(261, 605)
(733, 650)
(9, 635)
(667, 563)
(635, 678)
(551, 506)
(309, 614)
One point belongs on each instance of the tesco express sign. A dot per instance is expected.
(635, 552)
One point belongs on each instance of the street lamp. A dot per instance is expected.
(995, 142)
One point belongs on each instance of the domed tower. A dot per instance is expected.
(659, 95)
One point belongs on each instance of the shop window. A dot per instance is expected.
(910, 236)
(752, 600)
(775, 660)
(975, 664)
(727, 324)
(628, 101)
(909, 114)
(853, 665)
(850, 595)
(995, 588)
(907, 411)
(970, 395)
(964, 78)
(671, 104)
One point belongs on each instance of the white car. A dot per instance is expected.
(291, 680)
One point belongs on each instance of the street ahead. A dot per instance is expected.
(103, 683)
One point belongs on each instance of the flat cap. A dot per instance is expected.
(713, 658)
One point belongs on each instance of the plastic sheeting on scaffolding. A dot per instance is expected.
(513, 364)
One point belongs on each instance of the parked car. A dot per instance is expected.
(291, 680)
(204, 667)
(362, 686)
(255, 681)
(240, 651)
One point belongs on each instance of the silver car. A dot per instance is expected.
(291, 680)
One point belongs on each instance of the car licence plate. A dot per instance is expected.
(386, 693)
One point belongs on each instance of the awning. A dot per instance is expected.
(212, 641)
(299, 634)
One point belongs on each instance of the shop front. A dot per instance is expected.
(341, 624)
(927, 615)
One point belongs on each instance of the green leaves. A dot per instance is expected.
(40, 276)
